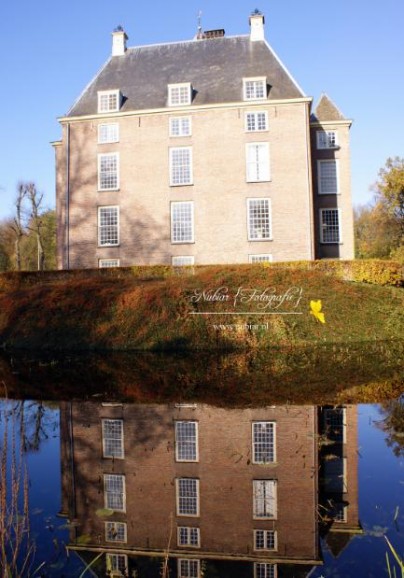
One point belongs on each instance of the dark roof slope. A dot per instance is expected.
(326, 110)
(215, 67)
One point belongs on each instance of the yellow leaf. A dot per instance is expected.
(315, 307)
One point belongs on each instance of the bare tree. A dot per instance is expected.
(35, 223)
(17, 225)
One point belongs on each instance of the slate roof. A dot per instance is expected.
(215, 68)
(326, 110)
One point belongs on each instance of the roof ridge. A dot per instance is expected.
(191, 41)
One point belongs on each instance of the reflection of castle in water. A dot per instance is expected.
(216, 492)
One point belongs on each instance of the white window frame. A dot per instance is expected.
(265, 534)
(252, 231)
(106, 98)
(257, 162)
(174, 233)
(335, 482)
(181, 175)
(108, 132)
(253, 122)
(185, 442)
(258, 428)
(265, 499)
(112, 174)
(113, 564)
(326, 139)
(100, 228)
(265, 570)
(260, 258)
(182, 261)
(179, 94)
(107, 494)
(323, 226)
(258, 85)
(116, 527)
(118, 440)
(184, 509)
(108, 263)
(184, 126)
(340, 513)
(188, 531)
(184, 568)
(321, 178)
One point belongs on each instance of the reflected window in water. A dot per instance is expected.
(186, 441)
(265, 498)
(115, 493)
(264, 570)
(188, 568)
(187, 497)
(115, 532)
(263, 442)
(112, 438)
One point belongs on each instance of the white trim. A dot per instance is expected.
(258, 164)
(179, 86)
(180, 444)
(172, 168)
(255, 114)
(106, 504)
(188, 574)
(274, 567)
(197, 498)
(321, 163)
(188, 532)
(256, 80)
(115, 572)
(100, 209)
(323, 226)
(117, 439)
(101, 157)
(260, 258)
(108, 263)
(265, 549)
(182, 260)
(265, 506)
(321, 146)
(109, 126)
(114, 524)
(250, 229)
(116, 93)
(192, 226)
(255, 450)
(180, 120)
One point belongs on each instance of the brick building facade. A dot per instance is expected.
(205, 151)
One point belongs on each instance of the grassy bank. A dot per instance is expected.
(214, 308)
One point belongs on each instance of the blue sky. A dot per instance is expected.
(351, 49)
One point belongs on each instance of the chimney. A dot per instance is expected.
(119, 39)
(257, 22)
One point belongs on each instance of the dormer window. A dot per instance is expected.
(109, 100)
(255, 88)
(179, 94)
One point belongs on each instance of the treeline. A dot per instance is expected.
(28, 238)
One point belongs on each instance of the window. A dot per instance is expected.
(257, 161)
(108, 133)
(256, 121)
(265, 570)
(108, 226)
(326, 139)
(187, 536)
(117, 564)
(187, 497)
(264, 498)
(108, 168)
(259, 219)
(188, 568)
(180, 166)
(263, 433)
(334, 469)
(186, 441)
(327, 177)
(180, 126)
(115, 532)
(340, 512)
(183, 261)
(335, 423)
(255, 88)
(108, 263)
(329, 226)
(179, 94)
(109, 100)
(182, 222)
(112, 438)
(260, 258)
(114, 492)
(265, 540)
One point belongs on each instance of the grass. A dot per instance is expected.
(86, 311)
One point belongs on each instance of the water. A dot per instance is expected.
(137, 481)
